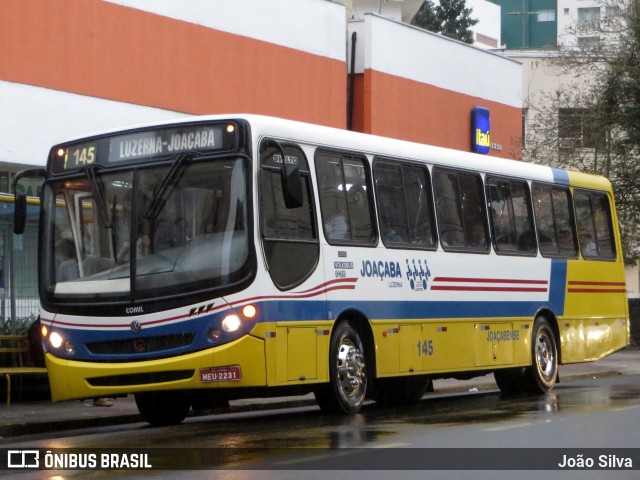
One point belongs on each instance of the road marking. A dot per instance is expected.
(508, 427)
(387, 445)
(624, 409)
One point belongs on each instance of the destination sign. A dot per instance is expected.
(163, 142)
(143, 146)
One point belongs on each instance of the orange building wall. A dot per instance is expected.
(109, 51)
(401, 108)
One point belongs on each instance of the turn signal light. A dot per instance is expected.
(249, 311)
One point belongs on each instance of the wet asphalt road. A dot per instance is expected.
(594, 413)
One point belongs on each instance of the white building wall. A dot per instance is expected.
(488, 30)
(574, 28)
(307, 25)
(633, 281)
(33, 119)
(426, 58)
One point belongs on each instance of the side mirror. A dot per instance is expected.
(19, 213)
(20, 203)
(291, 184)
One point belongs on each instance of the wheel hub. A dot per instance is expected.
(351, 368)
(545, 357)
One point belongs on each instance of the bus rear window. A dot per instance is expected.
(595, 229)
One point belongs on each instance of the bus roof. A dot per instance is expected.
(330, 137)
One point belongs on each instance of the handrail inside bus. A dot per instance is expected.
(10, 198)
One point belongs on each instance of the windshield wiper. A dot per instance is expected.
(114, 229)
(101, 202)
(166, 188)
(103, 209)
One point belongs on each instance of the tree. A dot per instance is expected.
(592, 122)
(450, 18)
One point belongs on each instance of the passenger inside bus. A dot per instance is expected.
(337, 227)
(359, 216)
(66, 254)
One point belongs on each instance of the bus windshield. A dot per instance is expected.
(151, 232)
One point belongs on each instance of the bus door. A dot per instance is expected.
(291, 254)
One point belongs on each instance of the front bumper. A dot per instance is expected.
(71, 379)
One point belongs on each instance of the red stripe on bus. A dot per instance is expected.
(487, 289)
(601, 284)
(490, 280)
(597, 290)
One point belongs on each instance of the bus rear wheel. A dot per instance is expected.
(541, 376)
(347, 386)
(163, 408)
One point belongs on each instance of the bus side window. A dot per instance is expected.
(511, 216)
(289, 235)
(460, 210)
(595, 229)
(554, 221)
(345, 200)
(404, 204)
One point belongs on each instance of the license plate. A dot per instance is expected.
(220, 374)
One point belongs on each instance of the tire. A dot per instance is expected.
(541, 376)
(402, 391)
(509, 380)
(347, 386)
(163, 408)
(205, 401)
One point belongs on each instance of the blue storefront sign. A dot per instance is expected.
(480, 130)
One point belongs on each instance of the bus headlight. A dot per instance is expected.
(231, 323)
(55, 339)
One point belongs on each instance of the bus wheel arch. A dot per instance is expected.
(350, 360)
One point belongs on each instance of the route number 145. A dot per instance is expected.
(425, 348)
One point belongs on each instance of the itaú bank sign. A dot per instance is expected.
(480, 130)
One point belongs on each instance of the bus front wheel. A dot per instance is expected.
(163, 408)
(347, 386)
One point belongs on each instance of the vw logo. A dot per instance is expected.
(136, 326)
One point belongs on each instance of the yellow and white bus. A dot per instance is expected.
(219, 257)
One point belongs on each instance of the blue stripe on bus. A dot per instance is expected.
(558, 285)
(292, 310)
(404, 310)
(560, 176)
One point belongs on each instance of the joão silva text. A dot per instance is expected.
(604, 461)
